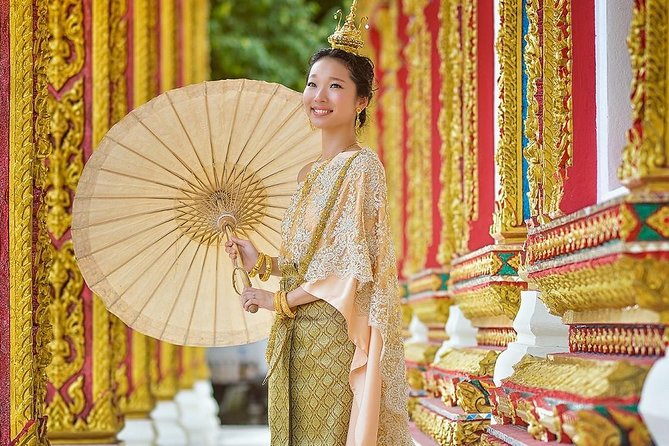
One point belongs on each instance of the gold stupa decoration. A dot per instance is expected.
(349, 36)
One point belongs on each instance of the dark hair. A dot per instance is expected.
(360, 68)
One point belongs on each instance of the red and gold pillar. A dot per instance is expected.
(24, 292)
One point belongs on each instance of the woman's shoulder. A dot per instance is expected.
(368, 163)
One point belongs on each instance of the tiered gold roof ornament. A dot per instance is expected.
(349, 36)
(169, 184)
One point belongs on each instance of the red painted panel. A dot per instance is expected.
(480, 229)
(433, 24)
(4, 222)
(581, 186)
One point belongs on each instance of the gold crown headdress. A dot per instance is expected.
(349, 36)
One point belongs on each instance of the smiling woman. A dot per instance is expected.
(336, 358)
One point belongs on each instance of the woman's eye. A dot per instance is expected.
(335, 86)
(310, 84)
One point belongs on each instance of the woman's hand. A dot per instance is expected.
(248, 252)
(254, 296)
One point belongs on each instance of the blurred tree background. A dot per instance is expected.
(269, 40)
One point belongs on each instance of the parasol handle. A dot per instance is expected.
(246, 280)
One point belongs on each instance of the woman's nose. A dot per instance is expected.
(320, 95)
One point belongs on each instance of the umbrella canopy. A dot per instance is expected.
(148, 207)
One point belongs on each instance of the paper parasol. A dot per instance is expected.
(151, 202)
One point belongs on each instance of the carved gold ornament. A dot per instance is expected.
(393, 118)
(508, 222)
(645, 157)
(457, 122)
(474, 362)
(67, 317)
(583, 377)
(419, 162)
(447, 432)
(66, 44)
(492, 299)
(65, 163)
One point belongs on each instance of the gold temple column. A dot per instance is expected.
(86, 377)
(418, 54)
(597, 268)
(484, 284)
(26, 249)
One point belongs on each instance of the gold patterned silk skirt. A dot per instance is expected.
(309, 393)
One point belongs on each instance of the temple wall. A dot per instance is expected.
(71, 372)
(524, 144)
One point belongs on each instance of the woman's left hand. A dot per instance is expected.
(264, 299)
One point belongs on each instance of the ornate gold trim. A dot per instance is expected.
(645, 157)
(582, 377)
(66, 160)
(142, 73)
(470, 113)
(445, 431)
(168, 45)
(492, 299)
(21, 84)
(419, 161)
(200, 41)
(629, 281)
(188, 58)
(420, 353)
(391, 104)
(140, 401)
(66, 22)
(118, 50)
(454, 236)
(432, 310)
(164, 383)
(495, 336)
(508, 222)
(558, 114)
(620, 340)
(471, 361)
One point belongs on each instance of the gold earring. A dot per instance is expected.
(357, 116)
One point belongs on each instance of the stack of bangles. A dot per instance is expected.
(267, 261)
(281, 305)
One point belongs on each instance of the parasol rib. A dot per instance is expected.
(162, 143)
(192, 185)
(190, 140)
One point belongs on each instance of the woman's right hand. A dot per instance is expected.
(249, 253)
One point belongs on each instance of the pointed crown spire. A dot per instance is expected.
(349, 36)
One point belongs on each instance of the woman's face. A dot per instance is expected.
(330, 96)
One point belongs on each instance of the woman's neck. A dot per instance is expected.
(335, 142)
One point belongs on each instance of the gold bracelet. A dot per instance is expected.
(268, 268)
(285, 307)
(277, 305)
(256, 267)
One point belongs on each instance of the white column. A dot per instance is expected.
(654, 405)
(539, 333)
(418, 330)
(198, 413)
(461, 333)
(167, 424)
(138, 432)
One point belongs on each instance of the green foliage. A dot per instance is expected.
(269, 40)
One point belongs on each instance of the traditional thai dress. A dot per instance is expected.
(336, 374)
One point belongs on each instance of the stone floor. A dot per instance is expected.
(244, 436)
(253, 436)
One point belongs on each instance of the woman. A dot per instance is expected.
(336, 356)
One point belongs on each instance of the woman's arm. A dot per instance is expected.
(299, 297)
